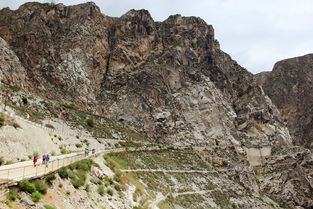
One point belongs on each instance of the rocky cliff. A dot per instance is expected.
(169, 79)
(289, 86)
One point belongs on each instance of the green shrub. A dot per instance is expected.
(107, 183)
(63, 173)
(8, 162)
(49, 126)
(77, 182)
(78, 145)
(49, 207)
(87, 188)
(84, 165)
(24, 100)
(71, 174)
(27, 186)
(1, 161)
(81, 175)
(36, 196)
(49, 178)
(100, 190)
(110, 192)
(2, 119)
(41, 186)
(12, 195)
(63, 151)
(96, 181)
(16, 125)
(90, 123)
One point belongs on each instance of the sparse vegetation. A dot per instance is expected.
(2, 161)
(12, 195)
(24, 100)
(68, 106)
(77, 172)
(27, 186)
(96, 181)
(2, 119)
(87, 188)
(110, 192)
(49, 207)
(78, 181)
(49, 126)
(41, 186)
(63, 173)
(101, 191)
(63, 151)
(115, 161)
(49, 178)
(78, 145)
(90, 122)
(14, 88)
(16, 125)
(36, 196)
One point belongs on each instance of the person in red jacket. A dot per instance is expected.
(35, 160)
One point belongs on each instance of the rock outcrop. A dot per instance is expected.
(289, 86)
(11, 69)
(169, 79)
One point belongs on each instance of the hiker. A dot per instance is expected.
(35, 160)
(44, 159)
(86, 151)
(93, 151)
(47, 160)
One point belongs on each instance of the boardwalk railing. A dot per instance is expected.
(15, 174)
(10, 174)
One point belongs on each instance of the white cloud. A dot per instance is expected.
(255, 33)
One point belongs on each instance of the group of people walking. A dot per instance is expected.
(45, 159)
(93, 151)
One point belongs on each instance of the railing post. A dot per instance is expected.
(23, 172)
(8, 174)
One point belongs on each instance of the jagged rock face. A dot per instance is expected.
(169, 79)
(289, 86)
(60, 46)
(11, 70)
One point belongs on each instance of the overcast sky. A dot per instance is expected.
(256, 33)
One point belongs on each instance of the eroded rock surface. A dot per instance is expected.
(169, 79)
(289, 86)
